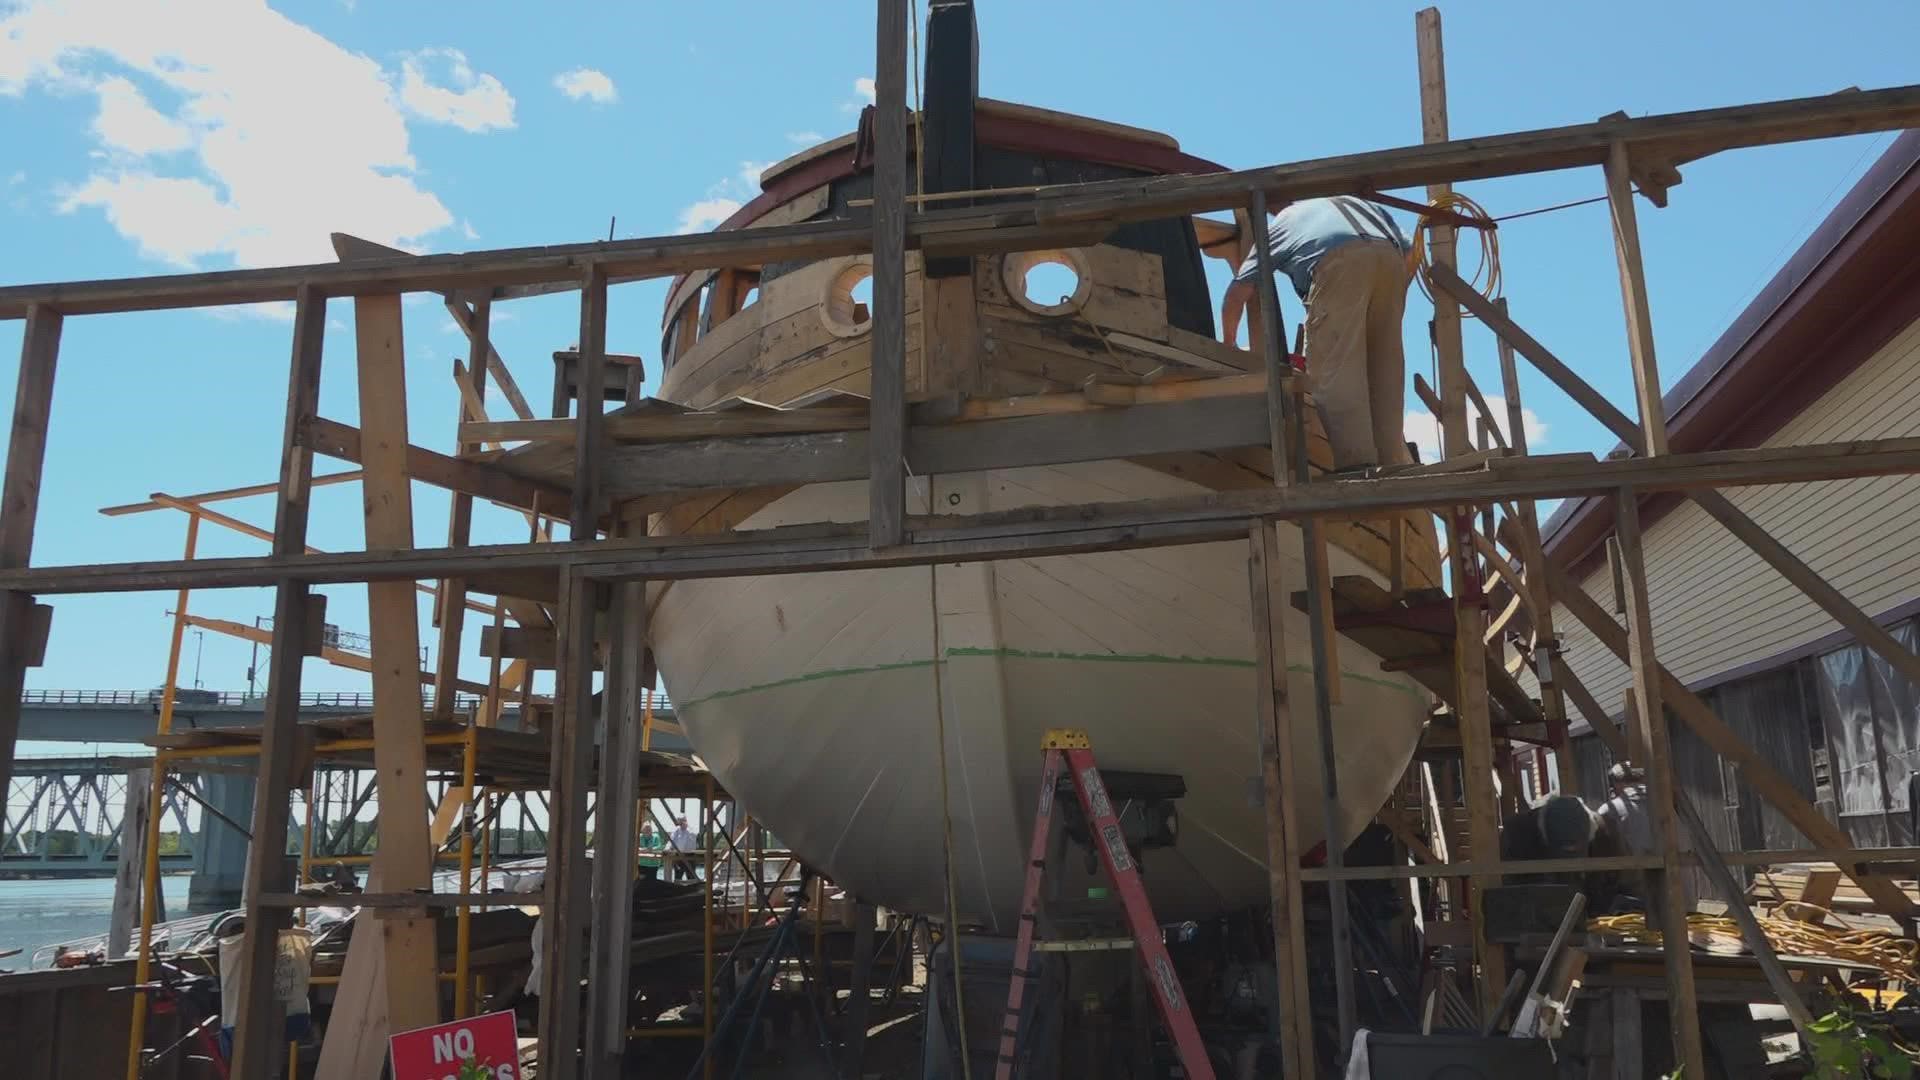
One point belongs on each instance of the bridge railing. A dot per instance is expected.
(190, 698)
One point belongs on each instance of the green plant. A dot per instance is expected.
(1843, 1046)
(473, 1070)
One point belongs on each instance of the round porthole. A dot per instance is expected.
(1047, 282)
(846, 309)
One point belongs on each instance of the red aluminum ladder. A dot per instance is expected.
(1073, 747)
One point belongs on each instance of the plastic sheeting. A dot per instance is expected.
(1872, 719)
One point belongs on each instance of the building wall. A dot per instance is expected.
(1717, 606)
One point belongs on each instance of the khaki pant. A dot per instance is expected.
(1355, 365)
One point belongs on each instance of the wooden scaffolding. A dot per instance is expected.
(599, 570)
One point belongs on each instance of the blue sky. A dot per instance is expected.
(226, 134)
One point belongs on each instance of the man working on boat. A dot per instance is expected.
(682, 841)
(1347, 260)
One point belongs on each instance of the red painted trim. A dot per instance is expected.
(1033, 136)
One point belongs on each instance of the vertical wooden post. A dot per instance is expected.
(1268, 590)
(1633, 296)
(257, 1030)
(1270, 595)
(131, 864)
(1470, 658)
(568, 900)
(612, 931)
(1684, 1007)
(1545, 644)
(451, 612)
(19, 507)
(568, 906)
(1455, 438)
(592, 374)
(706, 928)
(393, 974)
(860, 986)
(886, 518)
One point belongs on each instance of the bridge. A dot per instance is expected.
(130, 716)
(62, 815)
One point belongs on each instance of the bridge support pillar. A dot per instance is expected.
(220, 853)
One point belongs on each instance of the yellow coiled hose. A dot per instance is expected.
(1895, 957)
(1486, 279)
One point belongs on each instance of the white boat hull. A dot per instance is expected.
(815, 699)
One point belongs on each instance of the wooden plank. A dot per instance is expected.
(1657, 756)
(19, 508)
(1441, 238)
(338, 440)
(1863, 626)
(950, 335)
(130, 863)
(1088, 435)
(662, 426)
(534, 644)
(225, 493)
(1269, 589)
(257, 1028)
(1633, 297)
(1532, 554)
(1819, 888)
(886, 453)
(1470, 664)
(450, 610)
(405, 961)
(1758, 773)
(337, 657)
(614, 842)
(590, 443)
(1672, 136)
(568, 896)
(1021, 533)
(1628, 1060)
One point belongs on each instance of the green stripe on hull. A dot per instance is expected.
(1025, 654)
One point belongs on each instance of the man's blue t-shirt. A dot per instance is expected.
(1302, 234)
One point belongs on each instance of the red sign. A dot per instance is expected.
(440, 1052)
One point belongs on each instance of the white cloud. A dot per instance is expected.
(587, 84)
(805, 138)
(288, 136)
(864, 87)
(470, 101)
(467, 230)
(274, 311)
(706, 214)
(1424, 431)
(750, 174)
(126, 122)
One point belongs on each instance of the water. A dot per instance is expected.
(34, 914)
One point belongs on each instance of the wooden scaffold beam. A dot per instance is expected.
(22, 633)
(257, 1027)
(391, 978)
(886, 466)
(1469, 615)
(568, 894)
(1266, 568)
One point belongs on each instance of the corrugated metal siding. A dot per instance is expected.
(1717, 606)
